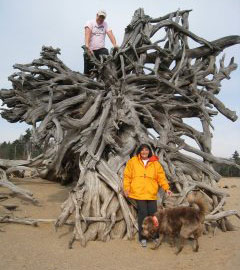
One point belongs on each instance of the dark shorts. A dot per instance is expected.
(88, 65)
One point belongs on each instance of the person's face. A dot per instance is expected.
(144, 153)
(100, 19)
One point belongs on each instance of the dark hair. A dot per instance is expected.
(144, 146)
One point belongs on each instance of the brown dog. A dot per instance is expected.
(175, 222)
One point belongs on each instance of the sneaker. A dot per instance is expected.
(156, 241)
(143, 243)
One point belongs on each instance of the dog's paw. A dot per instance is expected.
(154, 247)
(178, 250)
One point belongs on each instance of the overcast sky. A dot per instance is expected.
(26, 25)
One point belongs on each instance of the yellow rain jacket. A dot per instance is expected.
(142, 182)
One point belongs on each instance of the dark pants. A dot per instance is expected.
(88, 65)
(145, 208)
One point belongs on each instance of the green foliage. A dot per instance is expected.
(227, 170)
(236, 157)
(22, 148)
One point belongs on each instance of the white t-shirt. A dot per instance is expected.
(145, 161)
(97, 39)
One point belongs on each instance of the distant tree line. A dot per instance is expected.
(228, 170)
(22, 148)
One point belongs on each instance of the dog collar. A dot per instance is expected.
(155, 221)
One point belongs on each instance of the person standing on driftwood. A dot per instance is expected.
(142, 177)
(95, 33)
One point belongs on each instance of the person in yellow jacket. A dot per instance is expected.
(142, 177)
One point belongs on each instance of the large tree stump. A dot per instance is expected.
(90, 126)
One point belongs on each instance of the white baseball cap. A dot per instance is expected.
(102, 12)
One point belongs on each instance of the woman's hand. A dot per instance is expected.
(169, 192)
(89, 51)
(126, 193)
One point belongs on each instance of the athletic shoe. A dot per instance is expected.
(143, 243)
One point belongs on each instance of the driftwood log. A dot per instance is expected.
(89, 126)
(17, 166)
(4, 182)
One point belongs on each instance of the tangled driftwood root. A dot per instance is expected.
(143, 93)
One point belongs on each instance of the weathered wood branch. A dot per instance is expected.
(4, 182)
(90, 126)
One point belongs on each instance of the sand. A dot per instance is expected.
(41, 248)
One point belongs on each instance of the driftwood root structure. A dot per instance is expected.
(143, 93)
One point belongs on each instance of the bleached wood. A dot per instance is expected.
(89, 126)
(4, 182)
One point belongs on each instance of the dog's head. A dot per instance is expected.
(149, 227)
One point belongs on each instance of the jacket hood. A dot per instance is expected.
(153, 158)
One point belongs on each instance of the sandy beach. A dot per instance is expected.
(41, 248)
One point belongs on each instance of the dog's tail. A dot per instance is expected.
(200, 204)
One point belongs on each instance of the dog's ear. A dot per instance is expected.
(149, 220)
(152, 232)
(151, 227)
(146, 220)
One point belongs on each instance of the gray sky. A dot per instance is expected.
(26, 25)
